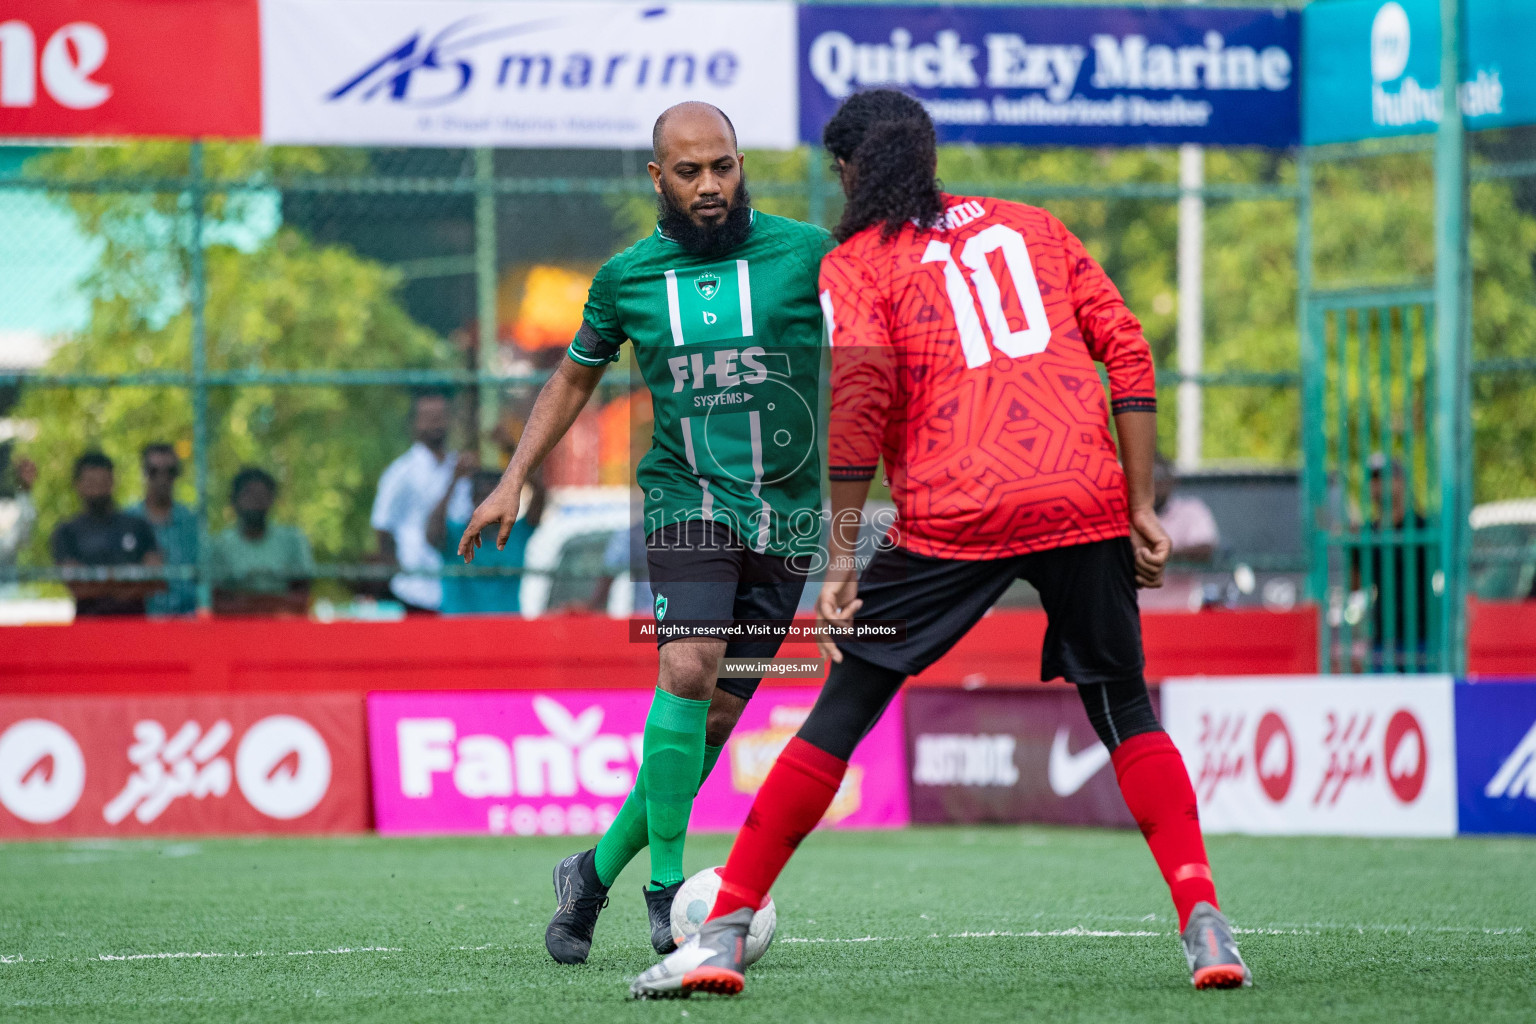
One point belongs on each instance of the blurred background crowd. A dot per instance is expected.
(372, 333)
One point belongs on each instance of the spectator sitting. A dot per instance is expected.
(103, 536)
(259, 568)
(18, 515)
(175, 527)
(1187, 520)
(409, 490)
(485, 595)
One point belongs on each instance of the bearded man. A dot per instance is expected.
(720, 303)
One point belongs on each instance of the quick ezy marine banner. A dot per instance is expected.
(1088, 76)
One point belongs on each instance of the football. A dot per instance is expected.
(694, 900)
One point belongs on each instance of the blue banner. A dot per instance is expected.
(1373, 67)
(1080, 76)
(1496, 756)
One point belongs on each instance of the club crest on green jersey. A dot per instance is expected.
(708, 285)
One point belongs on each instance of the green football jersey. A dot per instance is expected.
(731, 349)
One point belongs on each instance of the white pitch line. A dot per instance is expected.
(1286, 928)
(174, 956)
(200, 955)
(1071, 932)
(1318, 928)
(217, 956)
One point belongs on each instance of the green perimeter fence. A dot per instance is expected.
(276, 306)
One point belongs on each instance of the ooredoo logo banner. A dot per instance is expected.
(561, 763)
(1339, 755)
(107, 766)
(130, 67)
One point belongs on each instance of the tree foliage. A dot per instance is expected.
(278, 301)
(275, 301)
(1373, 225)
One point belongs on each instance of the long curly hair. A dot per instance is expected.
(886, 142)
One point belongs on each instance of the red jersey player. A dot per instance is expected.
(964, 336)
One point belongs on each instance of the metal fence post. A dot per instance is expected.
(815, 187)
(200, 435)
(1452, 297)
(485, 298)
(1314, 453)
(1190, 329)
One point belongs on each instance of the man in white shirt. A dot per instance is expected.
(18, 515)
(1186, 519)
(408, 492)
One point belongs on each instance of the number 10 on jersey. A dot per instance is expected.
(1036, 334)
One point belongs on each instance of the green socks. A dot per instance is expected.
(674, 758)
(711, 755)
(675, 733)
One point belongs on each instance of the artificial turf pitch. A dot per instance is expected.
(932, 925)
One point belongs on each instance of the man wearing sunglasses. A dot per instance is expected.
(175, 527)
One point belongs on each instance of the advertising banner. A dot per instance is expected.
(125, 766)
(1310, 755)
(1373, 67)
(1496, 756)
(1089, 76)
(1006, 755)
(129, 67)
(521, 763)
(578, 73)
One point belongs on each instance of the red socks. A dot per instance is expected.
(796, 794)
(805, 778)
(1156, 788)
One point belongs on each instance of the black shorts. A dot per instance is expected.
(703, 575)
(1088, 590)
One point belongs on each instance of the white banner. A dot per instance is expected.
(1309, 755)
(483, 73)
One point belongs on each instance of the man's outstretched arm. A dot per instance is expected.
(560, 402)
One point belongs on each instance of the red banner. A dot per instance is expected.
(123, 766)
(130, 67)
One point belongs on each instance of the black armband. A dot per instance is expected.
(1121, 405)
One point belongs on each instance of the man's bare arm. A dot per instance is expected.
(1137, 432)
(560, 402)
(839, 600)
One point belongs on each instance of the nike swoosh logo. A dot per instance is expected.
(1069, 772)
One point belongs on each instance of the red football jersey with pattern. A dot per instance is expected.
(963, 357)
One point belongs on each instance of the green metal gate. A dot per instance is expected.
(1373, 481)
(1387, 439)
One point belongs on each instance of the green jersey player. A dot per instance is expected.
(720, 305)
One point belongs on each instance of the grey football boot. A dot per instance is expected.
(579, 897)
(658, 903)
(710, 961)
(1212, 951)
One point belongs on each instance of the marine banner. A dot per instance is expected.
(572, 73)
(1089, 76)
